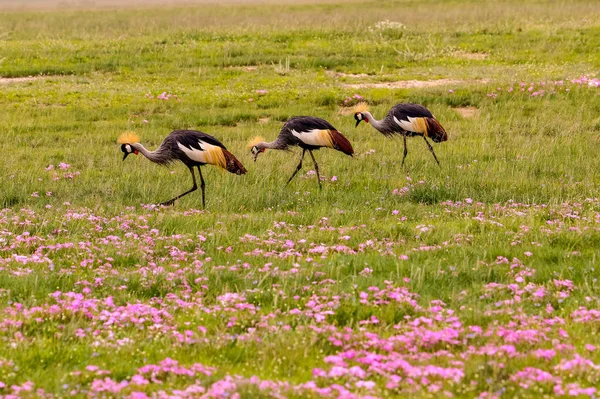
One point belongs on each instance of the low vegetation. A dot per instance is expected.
(476, 279)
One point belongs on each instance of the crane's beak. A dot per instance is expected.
(357, 123)
(125, 155)
(256, 156)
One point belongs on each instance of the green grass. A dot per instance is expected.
(528, 160)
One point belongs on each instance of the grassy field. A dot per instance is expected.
(476, 279)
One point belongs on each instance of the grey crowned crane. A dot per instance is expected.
(193, 148)
(308, 133)
(408, 120)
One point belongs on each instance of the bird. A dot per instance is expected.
(310, 134)
(192, 148)
(408, 120)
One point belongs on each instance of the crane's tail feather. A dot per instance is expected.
(341, 143)
(435, 130)
(232, 164)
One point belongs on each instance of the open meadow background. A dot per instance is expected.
(476, 279)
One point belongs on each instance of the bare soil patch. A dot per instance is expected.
(345, 111)
(410, 84)
(467, 112)
(98, 4)
(471, 56)
(5, 81)
(247, 68)
(346, 75)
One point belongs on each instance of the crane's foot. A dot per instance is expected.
(168, 203)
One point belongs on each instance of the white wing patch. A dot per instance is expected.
(316, 137)
(416, 125)
(210, 154)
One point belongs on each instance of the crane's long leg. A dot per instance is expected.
(297, 167)
(316, 168)
(202, 186)
(431, 149)
(172, 201)
(405, 149)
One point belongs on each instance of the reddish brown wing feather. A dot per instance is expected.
(435, 131)
(341, 143)
(233, 165)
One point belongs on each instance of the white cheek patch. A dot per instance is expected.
(128, 148)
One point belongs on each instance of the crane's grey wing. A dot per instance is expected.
(416, 119)
(306, 123)
(308, 130)
(410, 117)
(403, 111)
(317, 132)
(190, 138)
(194, 147)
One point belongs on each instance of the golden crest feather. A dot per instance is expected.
(128, 138)
(255, 141)
(361, 107)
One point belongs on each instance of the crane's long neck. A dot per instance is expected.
(275, 145)
(379, 125)
(159, 156)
